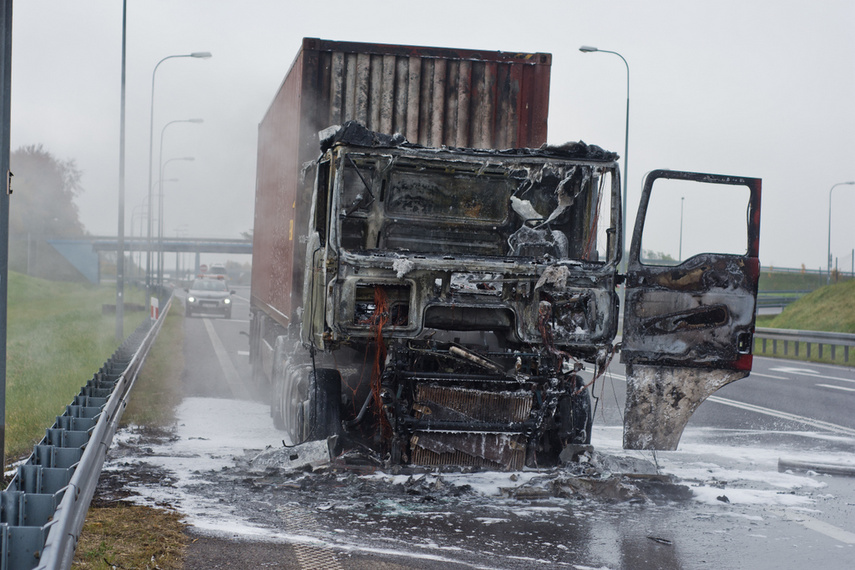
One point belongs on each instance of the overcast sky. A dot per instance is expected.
(760, 89)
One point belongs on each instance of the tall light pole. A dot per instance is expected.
(680, 255)
(120, 233)
(829, 226)
(195, 54)
(590, 49)
(160, 221)
(161, 180)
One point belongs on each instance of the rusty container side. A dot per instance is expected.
(277, 176)
(433, 96)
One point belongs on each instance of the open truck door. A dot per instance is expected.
(688, 322)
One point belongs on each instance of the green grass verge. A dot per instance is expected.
(57, 338)
(828, 309)
(158, 388)
(772, 281)
(129, 536)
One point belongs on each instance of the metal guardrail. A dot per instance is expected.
(807, 339)
(43, 509)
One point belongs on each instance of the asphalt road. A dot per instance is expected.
(785, 409)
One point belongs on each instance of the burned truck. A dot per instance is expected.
(453, 305)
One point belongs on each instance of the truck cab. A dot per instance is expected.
(459, 303)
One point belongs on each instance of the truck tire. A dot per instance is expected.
(324, 417)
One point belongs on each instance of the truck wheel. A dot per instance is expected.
(324, 404)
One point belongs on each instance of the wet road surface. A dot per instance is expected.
(728, 506)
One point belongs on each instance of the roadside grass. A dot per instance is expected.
(122, 535)
(779, 281)
(828, 309)
(57, 338)
(158, 388)
(130, 536)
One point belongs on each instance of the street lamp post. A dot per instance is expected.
(195, 54)
(680, 255)
(828, 281)
(160, 221)
(590, 49)
(160, 201)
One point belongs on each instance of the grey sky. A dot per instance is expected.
(761, 89)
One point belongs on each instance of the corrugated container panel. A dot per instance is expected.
(436, 96)
(433, 96)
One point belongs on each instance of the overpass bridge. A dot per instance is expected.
(83, 253)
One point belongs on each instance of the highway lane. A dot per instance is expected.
(216, 351)
(776, 395)
(729, 449)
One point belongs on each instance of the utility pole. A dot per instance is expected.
(5, 116)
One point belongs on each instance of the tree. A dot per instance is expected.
(44, 192)
(41, 208)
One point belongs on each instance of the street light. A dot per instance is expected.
(160, 169)
(160, 221)
(197, 55)
(591, 49)
(680, 255)
(828, 281)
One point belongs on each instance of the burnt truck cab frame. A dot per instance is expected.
(455, 296)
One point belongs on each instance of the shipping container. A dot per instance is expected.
(433, 96)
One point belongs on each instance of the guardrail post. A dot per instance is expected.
(797, 348)
(833, 347)
(774, 346)
(846, 353)
(819, 347)
(764, 346)
(786, 347)
(808, 349)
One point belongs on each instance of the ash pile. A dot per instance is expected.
(583, 474)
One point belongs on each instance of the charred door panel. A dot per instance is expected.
(688, 324)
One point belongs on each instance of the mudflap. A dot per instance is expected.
(661, 399)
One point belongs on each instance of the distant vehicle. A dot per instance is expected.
(217, 269)
(207, 295)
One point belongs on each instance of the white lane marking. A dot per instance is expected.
(231, 373)
(811, 373)
(243, 353)
(774, 413)
(819, 526)
(770, 376)
(845, 389)
(791, 370)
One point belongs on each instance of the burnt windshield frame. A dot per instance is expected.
(384, 224)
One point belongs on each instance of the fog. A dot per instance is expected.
(731, 88)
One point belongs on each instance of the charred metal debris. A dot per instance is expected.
(474, 283)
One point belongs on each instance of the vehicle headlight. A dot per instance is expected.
(191, 299)
(227, 301)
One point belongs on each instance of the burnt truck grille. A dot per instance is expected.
(466, 404)
(491, 450)
(470, 409)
